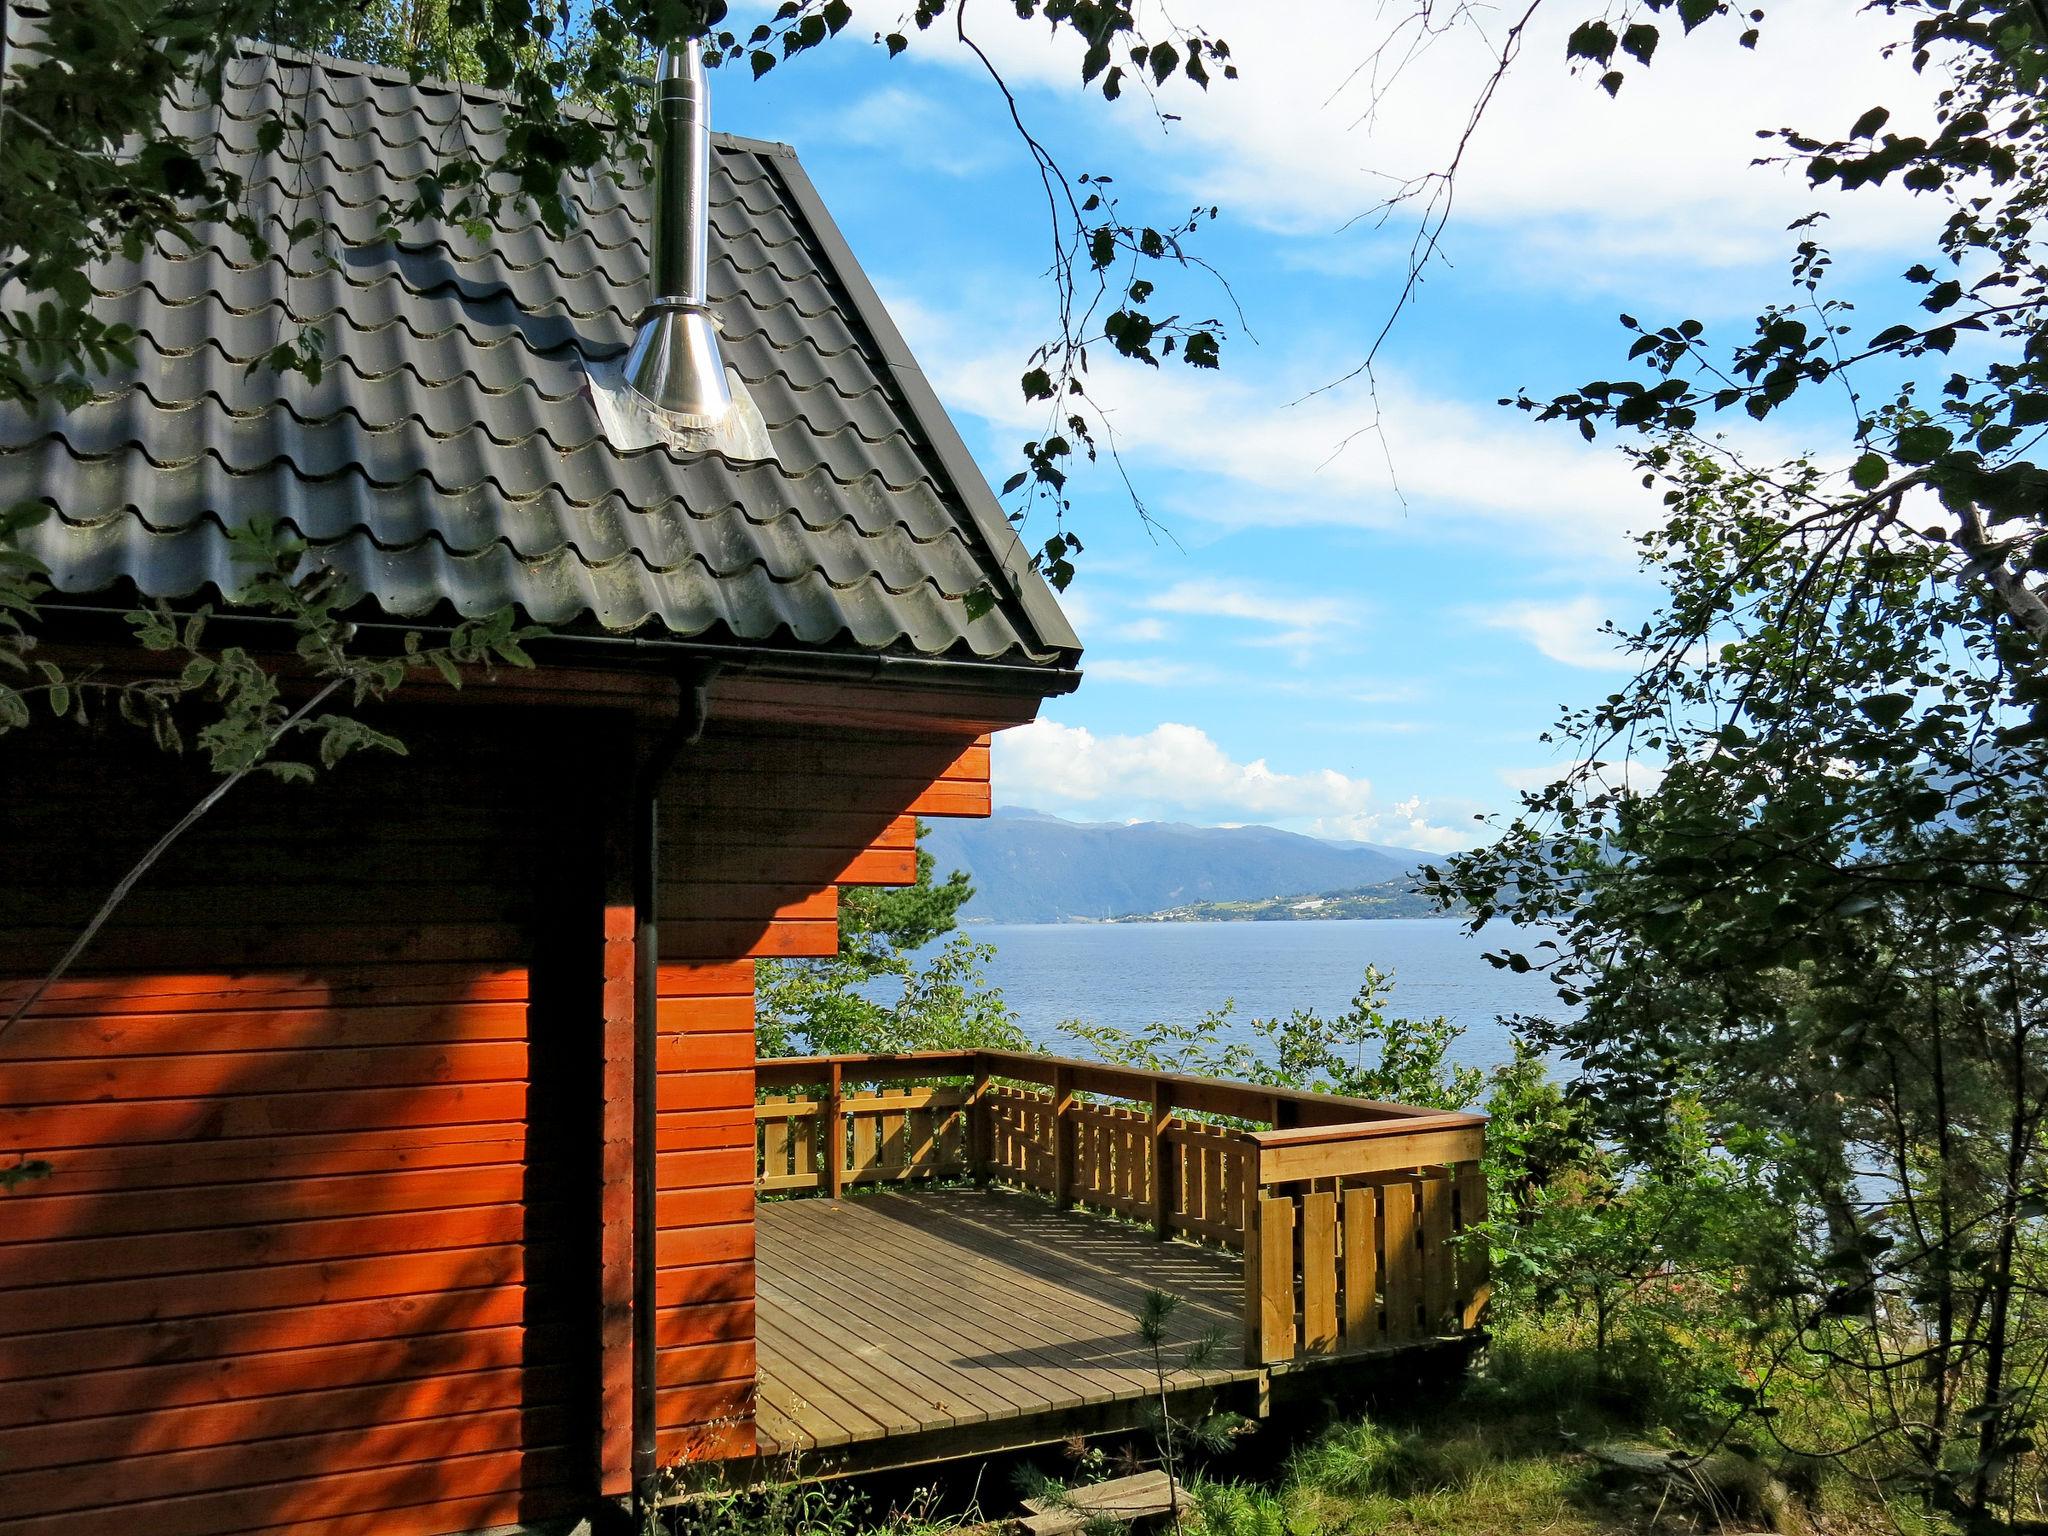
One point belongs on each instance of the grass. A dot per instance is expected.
(1506, 1457)
(1468, 1479)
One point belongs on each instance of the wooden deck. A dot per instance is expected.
(952, 1320)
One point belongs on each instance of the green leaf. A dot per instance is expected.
(1869, 472)
(1924, 443)
(1639, 42)
(1886, 709)
(1593, 40)
(1870, 122)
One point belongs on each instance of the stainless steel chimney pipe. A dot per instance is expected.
(675, 365)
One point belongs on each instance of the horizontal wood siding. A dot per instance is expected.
(308, 1259)
(704, 1318)
(762, 823)
(339, 1108)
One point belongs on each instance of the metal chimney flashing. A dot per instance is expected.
(675, 366)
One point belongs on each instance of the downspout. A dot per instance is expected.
(684, 732)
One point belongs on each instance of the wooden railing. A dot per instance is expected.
(1348, 1211)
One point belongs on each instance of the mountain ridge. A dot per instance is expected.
(1029, 866)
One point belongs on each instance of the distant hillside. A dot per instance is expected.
(1390, 898)
(1032, 868)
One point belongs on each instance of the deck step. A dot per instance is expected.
(1122, 1499)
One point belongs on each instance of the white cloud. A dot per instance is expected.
(1405, 825)
(1290, 621)
(1566, 631)
(913, 127)
(1559, 178)
(1178, 770)
(1210, 598)
(1408, 459)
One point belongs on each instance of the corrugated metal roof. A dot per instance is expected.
(451, 455)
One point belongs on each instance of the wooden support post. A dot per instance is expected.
(1063, 1136)
(833, 1130)
(1474, 1283)
(1361, 1268)
(1165, 1163)
(1319, 1274)
(980, 1130)
(1269, 1280)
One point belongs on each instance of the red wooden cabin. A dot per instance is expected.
(340, 1230)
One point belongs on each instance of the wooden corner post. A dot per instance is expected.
(1268, 1269)
(1063, 1136)
(832, 1130)
(1165, 1163)
(981, 1129)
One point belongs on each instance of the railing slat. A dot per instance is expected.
(1319, 1273)
(1361, 1268)
(1439, 1286)
(1399, 1254)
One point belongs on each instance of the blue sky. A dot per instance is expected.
(1365, 640)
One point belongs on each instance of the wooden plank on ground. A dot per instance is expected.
(1121, 1500)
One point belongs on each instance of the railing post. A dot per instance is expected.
(1063, 1136)
(834, 1133)
(1268, 1270)
(1165, 1165)
(1473, 1280)
(980, 1129)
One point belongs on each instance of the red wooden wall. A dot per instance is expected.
(303, 1263)
(749, 874)
(339, 1110)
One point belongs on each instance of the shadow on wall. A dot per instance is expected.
(318, 1240)
(321, 1250)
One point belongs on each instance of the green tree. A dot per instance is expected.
(844, 1005)
(1361, 1052)
(1944, 392)
(1796, 876)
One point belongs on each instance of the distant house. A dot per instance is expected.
(342, 1231)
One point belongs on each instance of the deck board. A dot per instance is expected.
(907, 1315)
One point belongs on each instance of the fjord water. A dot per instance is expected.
(1130, 974)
